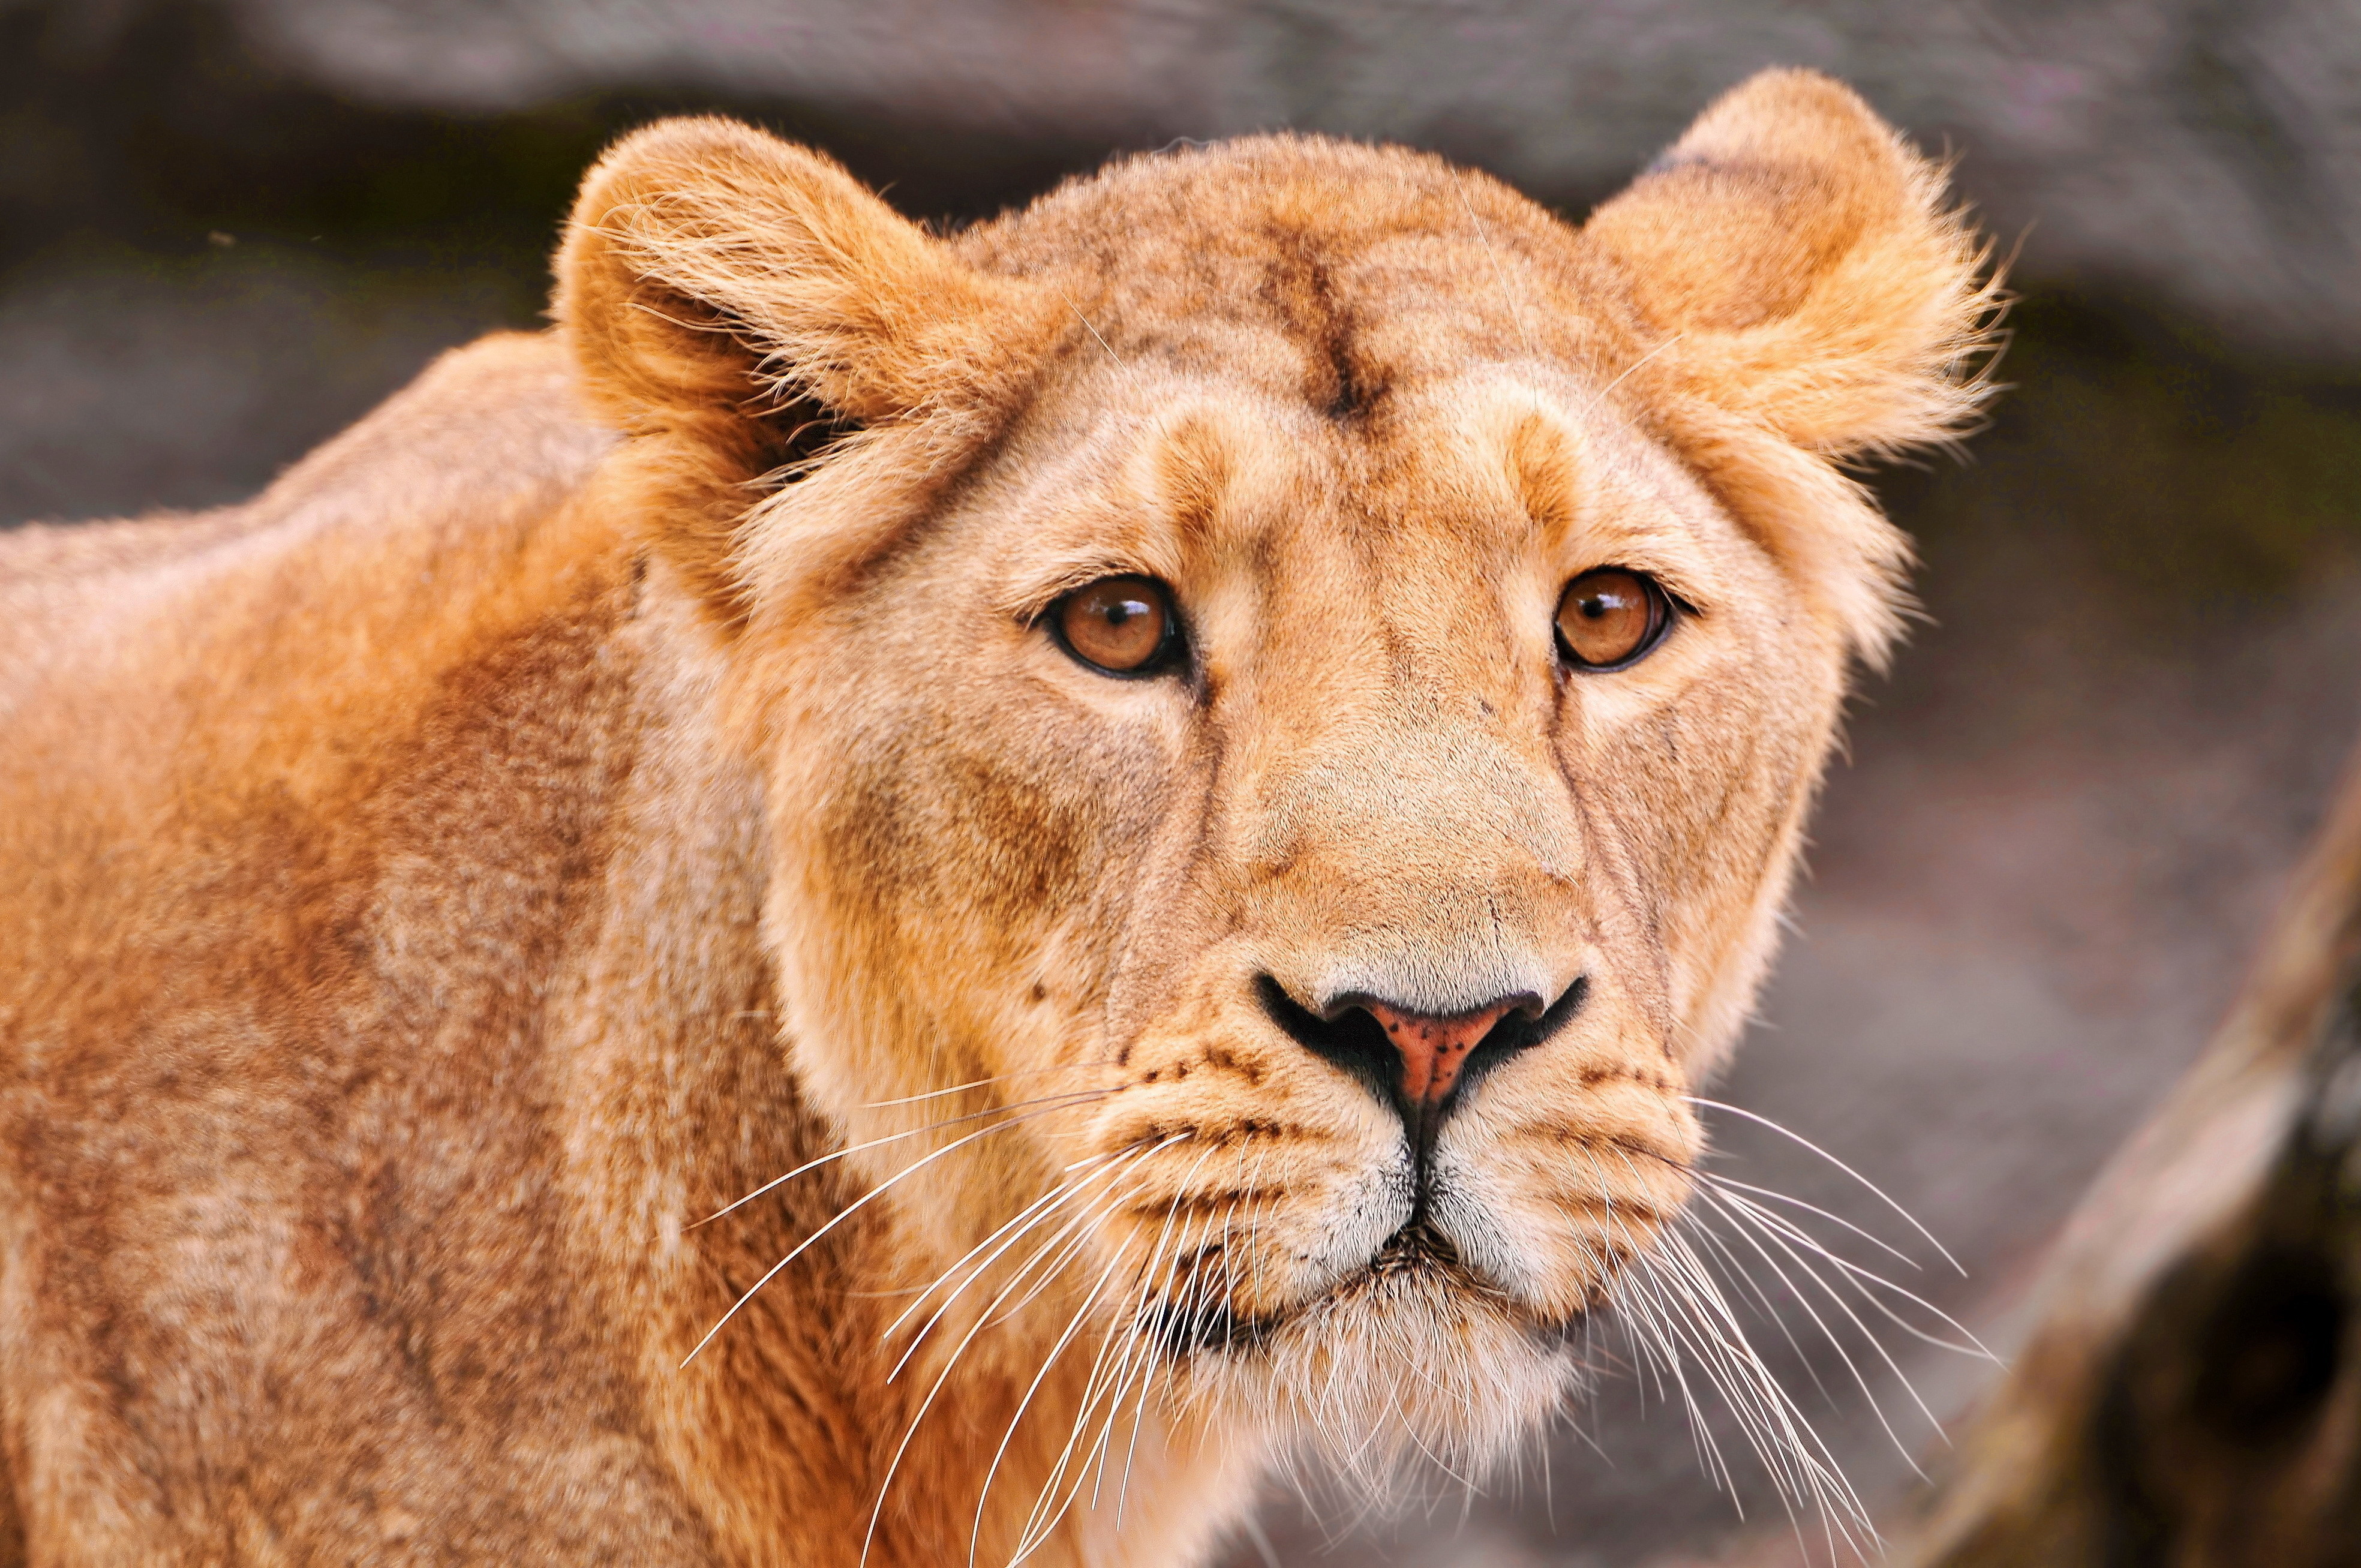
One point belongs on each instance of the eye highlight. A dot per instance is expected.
(1612, 618)
(1119, 626)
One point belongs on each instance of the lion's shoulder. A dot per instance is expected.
(290, 644)
(485, 444)
(482, 423)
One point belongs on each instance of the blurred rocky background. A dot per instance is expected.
(229, 227)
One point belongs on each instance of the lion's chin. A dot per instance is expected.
(1408, 1363)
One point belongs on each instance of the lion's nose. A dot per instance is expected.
(1410, 1059)
(1432, 1049)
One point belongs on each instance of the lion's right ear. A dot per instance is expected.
(737, 302)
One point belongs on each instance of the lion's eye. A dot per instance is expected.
(1122, 625)
(1610, 617)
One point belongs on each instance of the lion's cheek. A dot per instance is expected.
(1699, 808)
(964, 875)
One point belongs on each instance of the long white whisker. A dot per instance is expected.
(1908, 1218)
(1037, 1529)
(1653, 1345)
(1021, 1225)
(1860, 1279)
(1148, 1368)
(1734, 1268)
(1793, 1432)
(1117, 1164)
(1805, 1266)
(1744, 1380)
(1133, 1367)
(1782, 1438)
(1114, 1413)
(1073, 1325)
(1788, 1238)
(1059, 1099)
(1147, 1380)
(1508, 297)
(1652, 1332)
(1836, 1344)
(1752, 1190)
(839, 1217)
(980, 1083)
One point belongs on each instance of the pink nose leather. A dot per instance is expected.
(1433, 1050)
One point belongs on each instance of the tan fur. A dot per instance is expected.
(431, 889)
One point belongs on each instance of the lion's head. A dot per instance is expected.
(1289, 680)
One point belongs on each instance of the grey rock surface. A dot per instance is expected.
(2205, 150)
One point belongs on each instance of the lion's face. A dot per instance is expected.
(1276, 804)
(1364, 782)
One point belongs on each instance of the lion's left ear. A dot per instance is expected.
(1801, 260)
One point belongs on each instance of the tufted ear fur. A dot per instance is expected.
(738, 305)
(1800, 256)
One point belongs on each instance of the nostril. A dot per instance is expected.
(1416, 1061)
(1350, 1039)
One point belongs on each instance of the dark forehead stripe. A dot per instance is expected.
(1324, 271)
(1302, 289)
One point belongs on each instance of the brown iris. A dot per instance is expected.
(1122, 625)
(1608, 618)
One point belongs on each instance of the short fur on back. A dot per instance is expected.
(630, 778)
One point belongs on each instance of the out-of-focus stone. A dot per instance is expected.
(2200, 150)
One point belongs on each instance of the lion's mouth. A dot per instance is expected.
(1418, 1256)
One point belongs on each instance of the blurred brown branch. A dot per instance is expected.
(2193, 1393)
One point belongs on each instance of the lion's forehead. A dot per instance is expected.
(1330, 271)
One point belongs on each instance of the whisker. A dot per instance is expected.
(1749, 1188)
(1809, 1462)
(1625, 374)
(1507, 296)
(839, 1217)
(1050, 1100)
(1656, 1341)
(1079, 1240)
(1132, 1336)
(1784, 1421)
(1837, 1344)
(1109, 1378)
(1028, 1217)
(1861, 1278)
(1073, 1325)
(1139, 1410)
(1148, 1375)
(1116, 1163)
(1765, 1225)
(1880, 1194)
(1109, 1367)
(1653, 1343)
(1782, 1439)
(1145, 1364)
(1734, 1268)
(983, 1084)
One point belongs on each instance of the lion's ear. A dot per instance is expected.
(1801, 260)
(739, 303)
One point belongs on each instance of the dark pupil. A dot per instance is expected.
(1597, 606)
(1121, 610)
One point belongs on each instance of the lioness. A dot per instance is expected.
(1156, 804)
